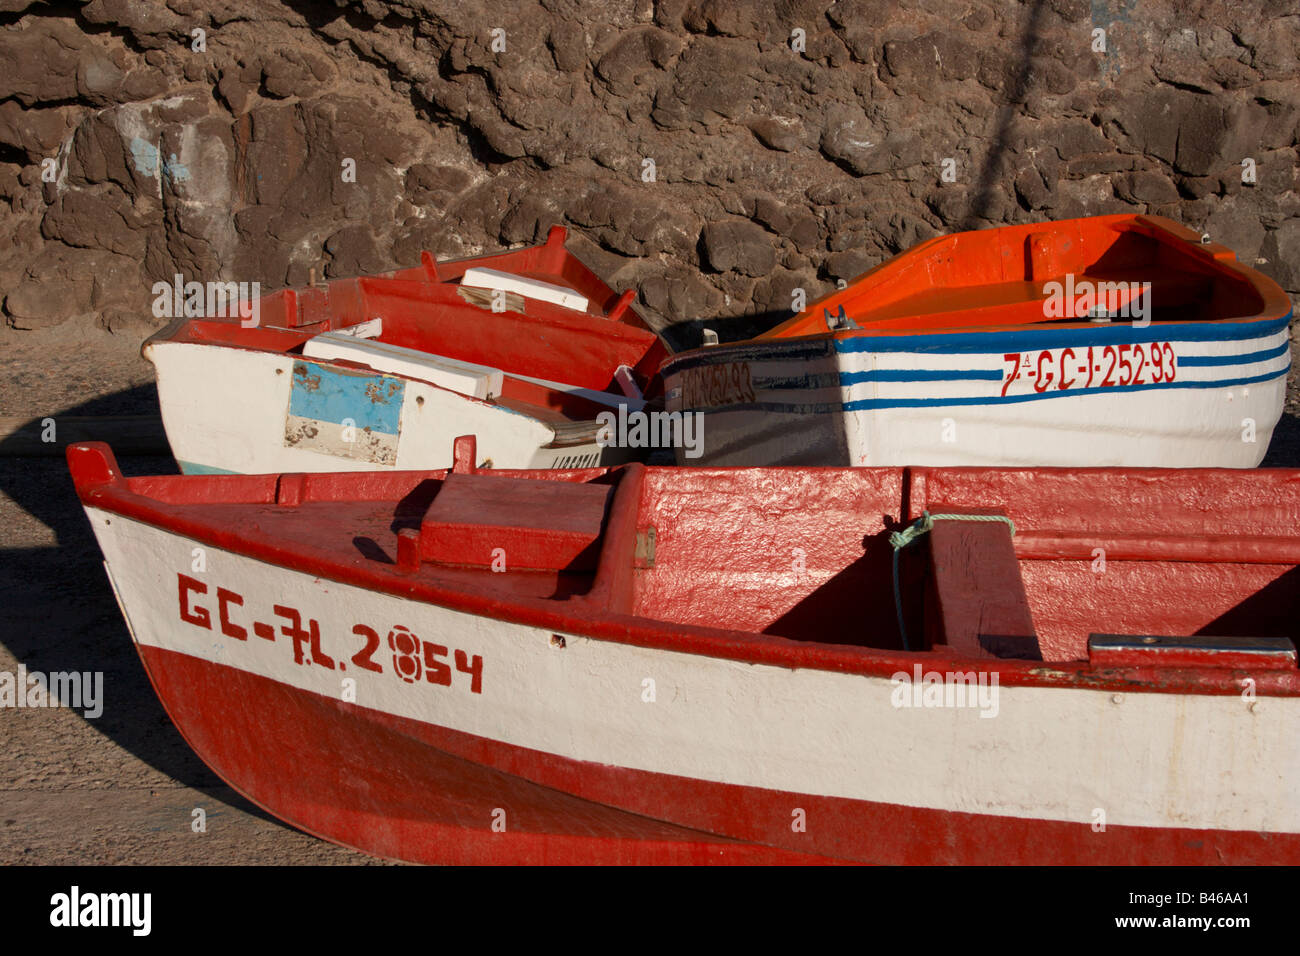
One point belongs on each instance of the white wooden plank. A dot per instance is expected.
(528, 288)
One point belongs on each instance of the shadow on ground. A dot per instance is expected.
(58, 613)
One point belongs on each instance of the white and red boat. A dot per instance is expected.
(707, 665)
(1115, 340)
(524, 348)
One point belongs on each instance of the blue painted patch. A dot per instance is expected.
(149, 162)
(145, 156)
(174, 169)
(190, 468)
(327, 394)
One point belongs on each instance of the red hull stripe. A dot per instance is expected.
(357, 777)
(408, 790)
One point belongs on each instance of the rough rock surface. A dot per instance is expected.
(714, 155)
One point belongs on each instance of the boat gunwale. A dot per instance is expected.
(1163, 230)
(100, 485)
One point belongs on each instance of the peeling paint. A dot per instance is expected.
(344, 413)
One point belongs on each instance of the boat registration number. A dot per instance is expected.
(708, 386)
(1109, 366)
(404, 654)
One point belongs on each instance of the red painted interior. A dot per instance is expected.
(783, 565)
(548, 341)
(1234, 589)
(428, 314)
(994, 278)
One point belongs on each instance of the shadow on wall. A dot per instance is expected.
(991, 169)
(735, 328)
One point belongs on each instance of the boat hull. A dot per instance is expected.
(284, 683)
(235, 411)
(1162, 396)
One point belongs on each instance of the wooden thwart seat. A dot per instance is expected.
(467, 378)
(976, 602)
(515, 523)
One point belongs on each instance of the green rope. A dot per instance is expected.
(901, 539)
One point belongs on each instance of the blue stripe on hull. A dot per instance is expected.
(821, 408)
(1193, 361)
(1033, 338)
(190, 468)
(921, 375)
(1038, 338)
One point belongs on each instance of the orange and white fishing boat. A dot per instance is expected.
(524, 348)
(1116, 340)
(889, 665)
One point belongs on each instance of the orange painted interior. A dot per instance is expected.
(995, 278)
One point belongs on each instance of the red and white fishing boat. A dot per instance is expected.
(1114, 340)
(523, 348)
(706, 665)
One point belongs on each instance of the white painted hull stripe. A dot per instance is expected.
(1034, 338)
(823, 408)
(1148, 759)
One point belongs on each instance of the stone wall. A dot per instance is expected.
(714, 154)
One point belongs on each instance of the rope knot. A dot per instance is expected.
(901, 539)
